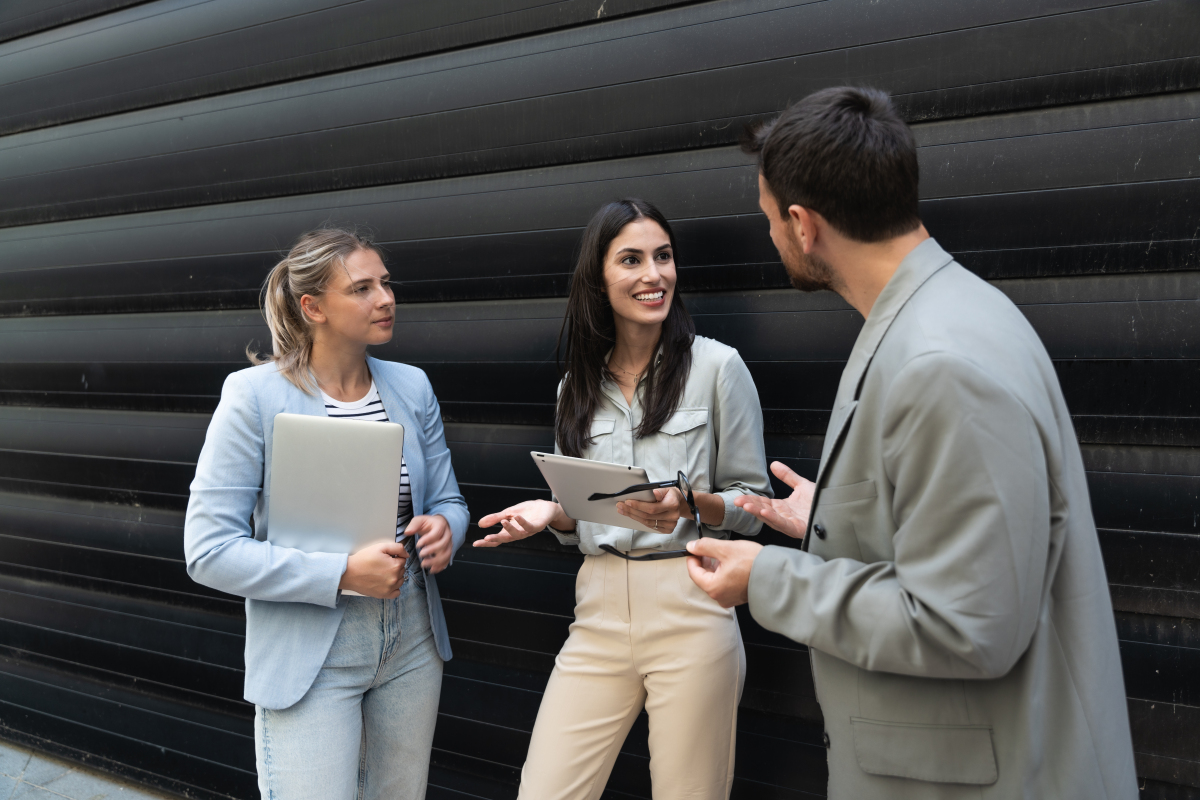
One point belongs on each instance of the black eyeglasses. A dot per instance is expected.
(685, 488)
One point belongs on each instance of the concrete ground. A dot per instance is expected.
(29, 775)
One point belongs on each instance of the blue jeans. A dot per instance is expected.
(365, 728)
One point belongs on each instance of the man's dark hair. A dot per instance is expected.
(844, 153)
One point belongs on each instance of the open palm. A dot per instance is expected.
(517, 522)
(789, 515)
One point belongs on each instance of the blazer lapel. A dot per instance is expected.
(917, 267)
(282, 397)
(833, 435)
(399, 410)
(925, 259)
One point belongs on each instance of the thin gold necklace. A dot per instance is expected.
(636, 375)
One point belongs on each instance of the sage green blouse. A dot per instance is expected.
(715, 437)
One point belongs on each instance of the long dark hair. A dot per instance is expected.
(589, 332)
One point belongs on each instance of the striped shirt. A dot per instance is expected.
(370, 409)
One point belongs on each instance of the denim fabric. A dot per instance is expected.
(365, 727)
(415, 572)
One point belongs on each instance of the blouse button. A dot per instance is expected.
(819, 530)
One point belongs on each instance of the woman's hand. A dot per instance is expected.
(522, 521)
(670, 506)
(789, 516)
(661, 515)
(435, 541)
(376, 570)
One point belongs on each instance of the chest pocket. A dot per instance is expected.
(601, 448)
(686, 432)
(838, 510)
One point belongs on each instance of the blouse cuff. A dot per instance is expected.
(564, 537)
(736, 520)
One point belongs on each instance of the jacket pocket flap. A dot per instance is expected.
(684, 420)
(600, 426)
(833, 495)
(934, 753)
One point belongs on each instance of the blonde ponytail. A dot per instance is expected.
(307, 269)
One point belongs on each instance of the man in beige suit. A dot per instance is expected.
(950, 587)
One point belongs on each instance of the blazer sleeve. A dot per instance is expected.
(219, 546)
(741, 462)
(441, 488)
(972, 507)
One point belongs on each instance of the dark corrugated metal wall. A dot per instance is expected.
(156, 156)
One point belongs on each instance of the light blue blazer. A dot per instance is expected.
(292, 598)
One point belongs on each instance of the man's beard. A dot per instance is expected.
(808, 273)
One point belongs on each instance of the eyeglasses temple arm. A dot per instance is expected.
(641, 487)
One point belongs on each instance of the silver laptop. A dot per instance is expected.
(335, 483)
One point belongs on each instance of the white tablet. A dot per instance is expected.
(573, 480)
(335, 483)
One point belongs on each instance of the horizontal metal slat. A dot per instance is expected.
(228, 618)
(514, 235)
(194, 682)
(155, 55)
(527, 330)
(693, 74)
(206, 735)
(24, 17)
(1166, 738)
(139, 531)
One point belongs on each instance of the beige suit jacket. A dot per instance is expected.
(952, 594)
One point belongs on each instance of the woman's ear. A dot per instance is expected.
(311, 308)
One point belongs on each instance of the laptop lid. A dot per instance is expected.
(335, 483)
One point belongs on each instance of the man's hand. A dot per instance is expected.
(434, 541)
(788, 516)
(376, 570)
(722, 568)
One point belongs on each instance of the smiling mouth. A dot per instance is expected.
(650, 297)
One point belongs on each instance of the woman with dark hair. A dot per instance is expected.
(641, 389)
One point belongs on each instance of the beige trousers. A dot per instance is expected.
(644, 635)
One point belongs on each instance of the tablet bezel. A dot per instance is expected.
(573, 480)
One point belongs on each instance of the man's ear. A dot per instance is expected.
(311, 309)
(804, 227)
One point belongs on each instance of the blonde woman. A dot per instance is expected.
(345, 687)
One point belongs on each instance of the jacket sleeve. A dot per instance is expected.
(441, 488)
(971, 504)
(741, 462)
(220, 548)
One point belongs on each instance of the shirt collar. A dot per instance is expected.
(657, 360)
(613, 391)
